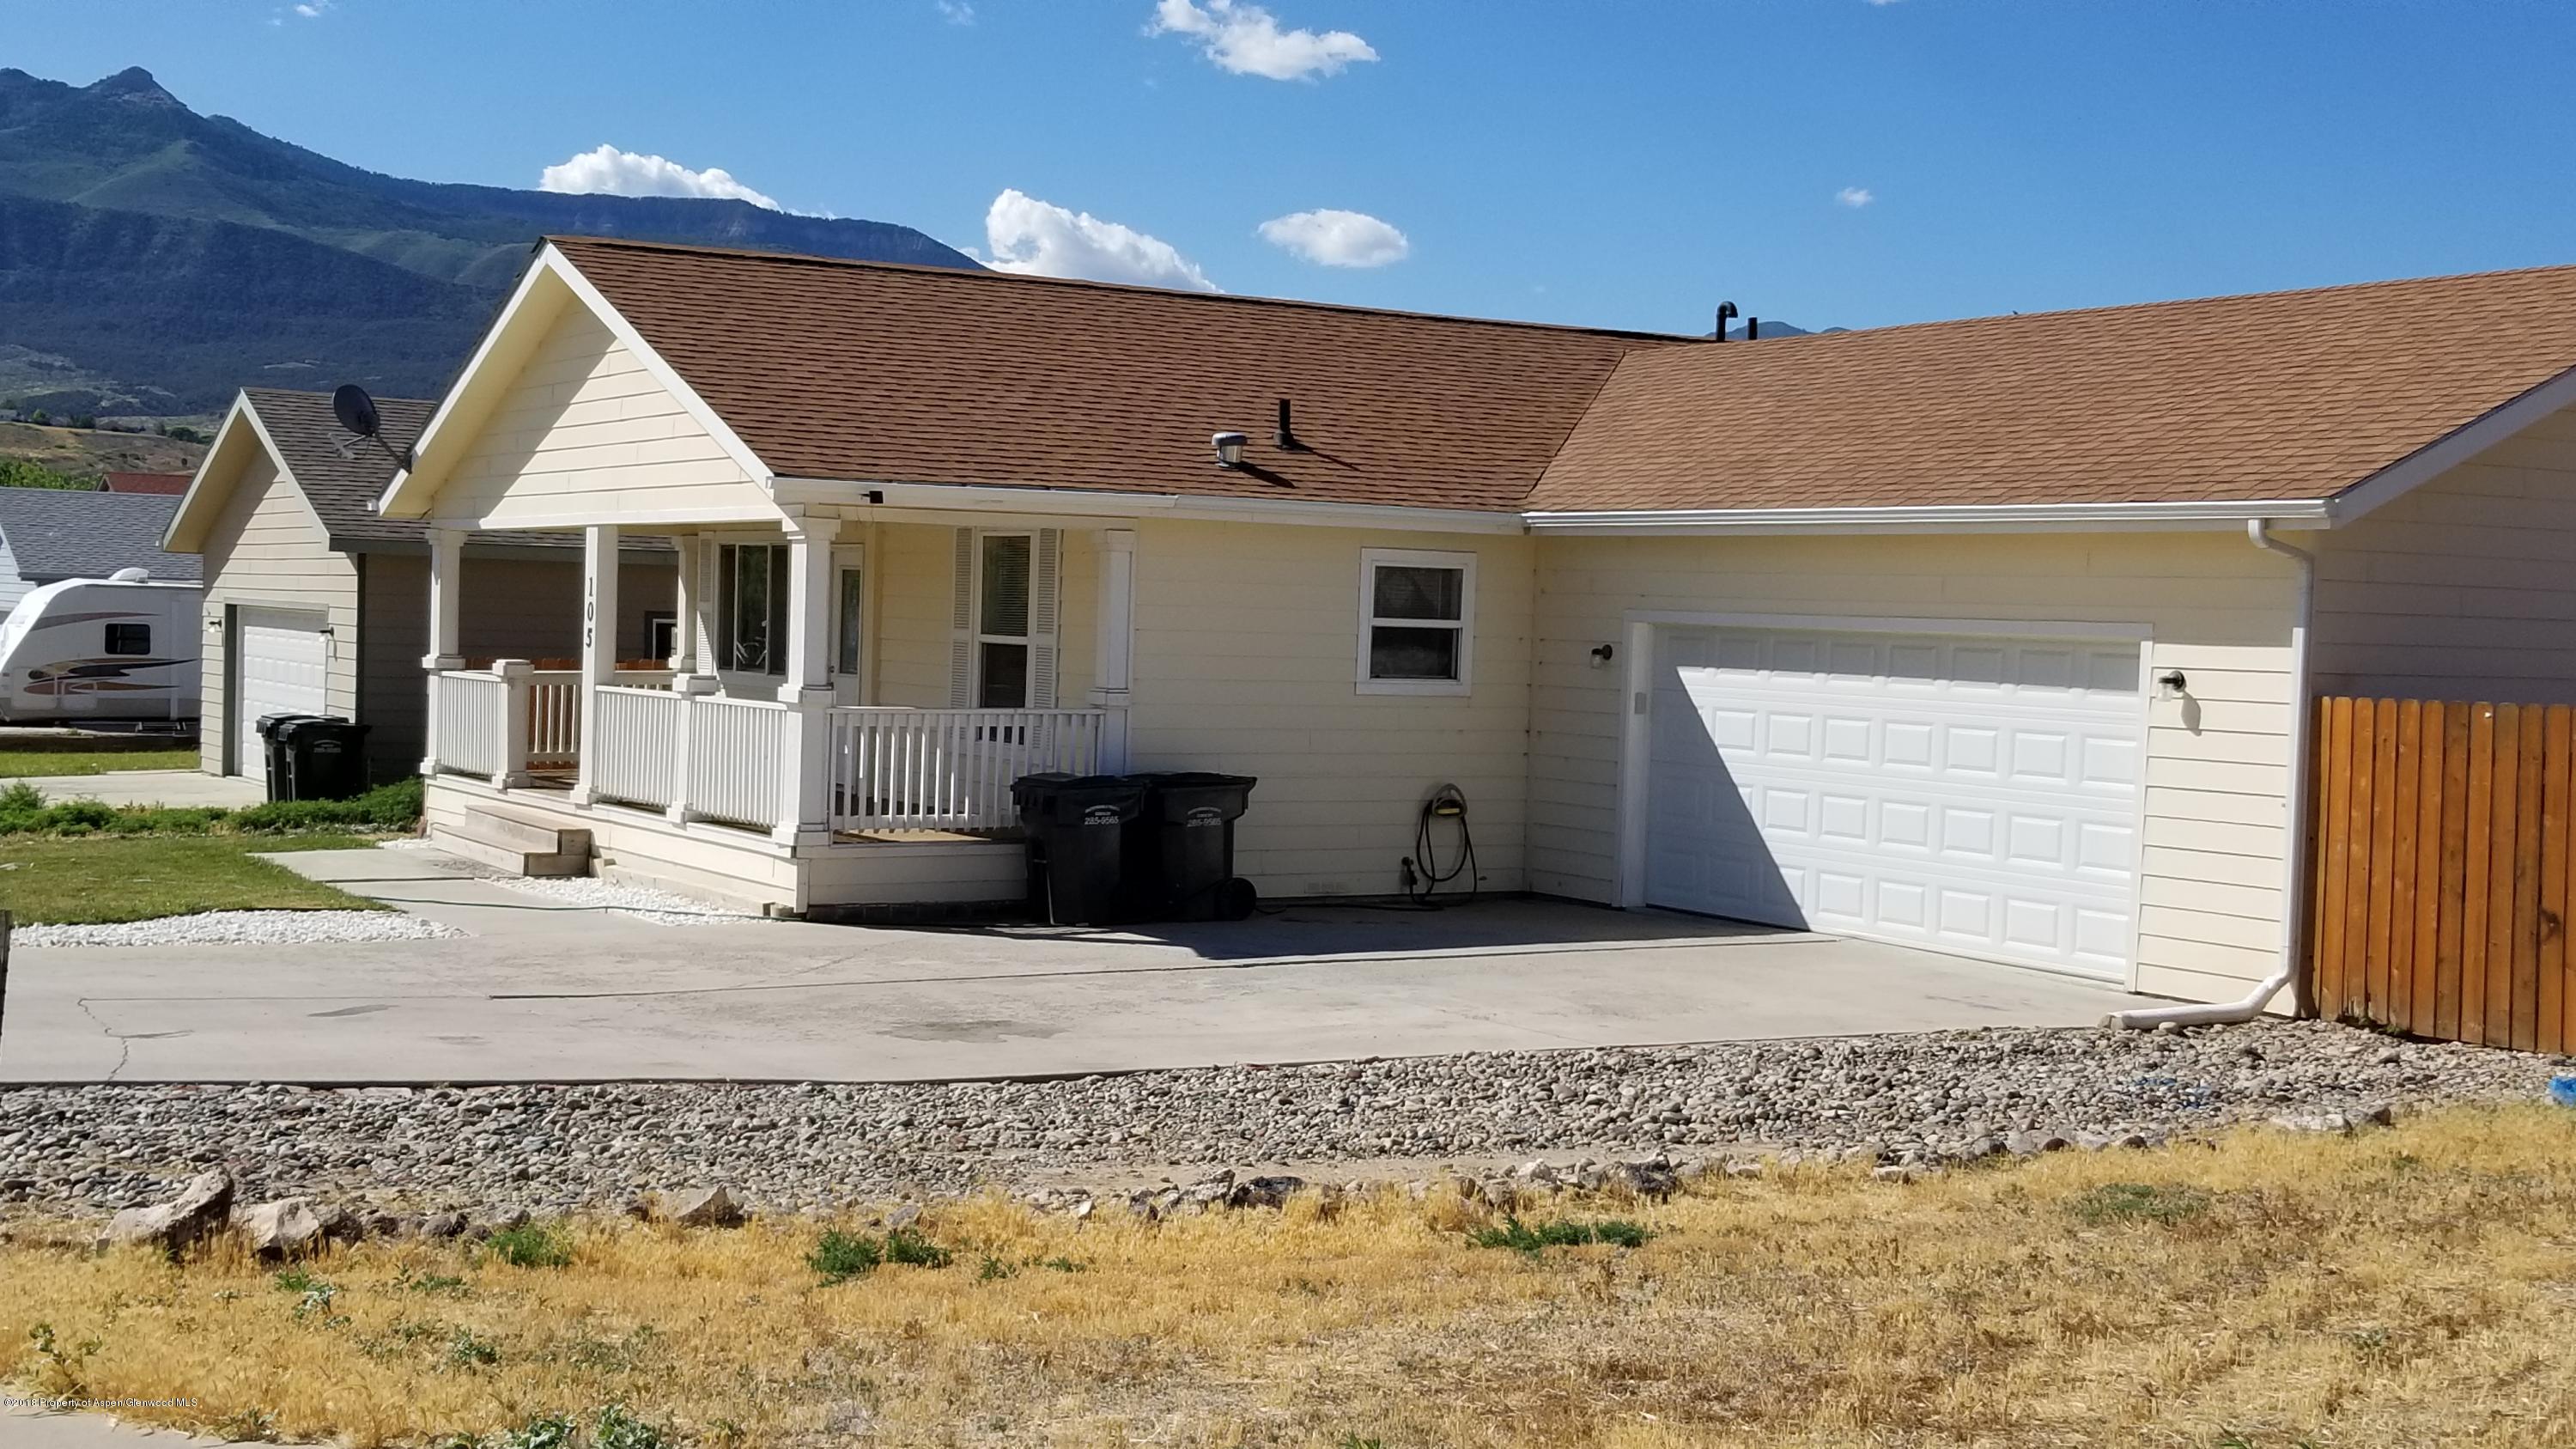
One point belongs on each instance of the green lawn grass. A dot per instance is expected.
(137, 877)
(20, 764)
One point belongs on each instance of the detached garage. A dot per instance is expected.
(316, 604)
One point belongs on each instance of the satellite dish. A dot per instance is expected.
(355, 410)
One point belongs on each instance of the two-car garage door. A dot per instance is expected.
(281, 666)
(1959, 792)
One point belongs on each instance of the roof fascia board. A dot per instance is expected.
(1967, 518)
(193, 518)
(1076, 502)
(2453, 448)
(660, 368)
(416, 481)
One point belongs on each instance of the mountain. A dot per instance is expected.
(162, 258)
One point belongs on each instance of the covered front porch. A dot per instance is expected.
(838, 720)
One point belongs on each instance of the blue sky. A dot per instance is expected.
(1624, 164)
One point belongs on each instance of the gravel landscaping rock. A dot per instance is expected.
(1922, 1101)
(662, 908)
(239, 928)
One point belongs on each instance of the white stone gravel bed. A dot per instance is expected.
(662, 908)
(240, 928)
(1931, 1097)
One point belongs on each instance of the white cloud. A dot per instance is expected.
(1246, 40)
(1337, 238)
(1855, 196)
(627, 173)
(1042, 239)
(312, 9)
(957, 12)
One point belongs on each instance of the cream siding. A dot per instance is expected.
(511, 609)
(1246, 642)
(586, 434)
(914, 569)
(2216, 774)
(2464, 588)
(267, 549)
(13, 585)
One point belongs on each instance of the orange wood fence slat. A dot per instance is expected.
(2443, 861)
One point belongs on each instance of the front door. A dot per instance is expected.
(849, 605)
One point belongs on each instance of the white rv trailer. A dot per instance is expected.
(118, 648)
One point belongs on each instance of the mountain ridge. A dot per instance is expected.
(125, 164)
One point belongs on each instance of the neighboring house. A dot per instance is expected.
(316, 605)
(1993, 637)
(51, 534)
(146, 482)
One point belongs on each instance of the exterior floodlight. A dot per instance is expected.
(1229, 449)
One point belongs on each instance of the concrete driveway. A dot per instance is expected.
(783, 1001)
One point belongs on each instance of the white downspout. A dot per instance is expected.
(2294, 861)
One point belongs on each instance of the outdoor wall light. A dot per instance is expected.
(2171, 685)
(1602, 655)
(1229, 449)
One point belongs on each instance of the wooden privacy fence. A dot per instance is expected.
(2443, 856)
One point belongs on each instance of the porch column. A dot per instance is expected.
(598, 646)
(805, 799)
(446, 586)
(684, 605)
(1113, 659)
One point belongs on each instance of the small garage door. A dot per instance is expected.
(1962, 793)
(283, 668)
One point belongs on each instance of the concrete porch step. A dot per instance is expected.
(521, 843)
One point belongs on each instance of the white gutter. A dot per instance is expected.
(1101, 503)
(1963, 518)
(2294, 861)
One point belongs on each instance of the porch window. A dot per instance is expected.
(751, 607)
(1416, 613)
(1002, 620)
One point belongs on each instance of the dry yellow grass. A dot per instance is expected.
(2414, 1286)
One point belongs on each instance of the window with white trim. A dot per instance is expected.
(751, 608)
(1417, 613)
(1002, 631)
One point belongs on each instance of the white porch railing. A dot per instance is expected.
(638, 739)
(471, 709)
(949, 769)
(703, 757)
(736, 758)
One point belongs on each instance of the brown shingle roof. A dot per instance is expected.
(118, 482)
(877, 372)
(342, 485)
(2286, 395)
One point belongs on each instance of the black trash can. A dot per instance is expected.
(1191, 816)
(1077, 825)
(272, 739)
(326, 758)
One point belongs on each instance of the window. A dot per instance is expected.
(129, 638)
(1415, 610)
(849, 608)
(751, 608)
(1002, 620)
(661, 634)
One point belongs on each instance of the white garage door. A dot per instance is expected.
(284, 668)
(1967, 794)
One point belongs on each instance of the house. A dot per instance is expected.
(1993, 637)
(51, 534)
(116, 482)
(316, 605)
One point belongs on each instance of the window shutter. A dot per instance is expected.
(707, 657)
(1045, 572)
(961, 624)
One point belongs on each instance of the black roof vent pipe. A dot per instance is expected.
(1287, 435)
(1725, 314)
(1752, 329)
